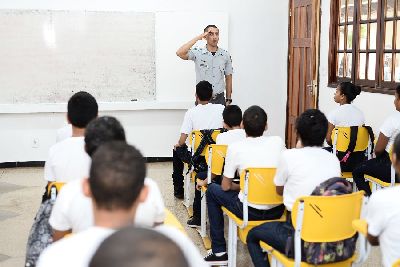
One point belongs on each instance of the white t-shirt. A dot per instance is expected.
(76, 250)
(383, 217)
(390, 128)
(259, 152)
(202, 117)
(346, 115)
(64, 133)
(230, 137)
(300, 170)
(189, 249)
(73, 210)
(67, 161)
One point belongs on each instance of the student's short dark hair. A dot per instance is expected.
(117, 175)
(204, 91)
(210, 26)
(102, 130)
(396, 147)
(138, 247)
(232, 115)
(398, 90)
(254, 121)
(350, 90)
(82, 108)
(311, 127)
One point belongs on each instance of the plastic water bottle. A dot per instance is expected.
(53, 193)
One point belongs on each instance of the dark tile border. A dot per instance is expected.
(41, 163)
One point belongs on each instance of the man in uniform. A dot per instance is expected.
(213, 64)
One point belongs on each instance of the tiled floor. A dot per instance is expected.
(20, 195)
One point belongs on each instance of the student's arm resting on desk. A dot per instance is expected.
(228, 185)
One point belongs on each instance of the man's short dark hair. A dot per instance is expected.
(116, 175)
(398, 90)
(254, 121)
(82, 108)
(210, 26)
(102, 130)
(232, 115)
(138, 247)
(311, 127)
(204, 91)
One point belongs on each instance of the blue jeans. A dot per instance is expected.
(216, 198)
(274, 234)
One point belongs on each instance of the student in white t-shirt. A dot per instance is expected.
(300, 170)
(383, 216)
(203, 116)
(67, 160)
(232, 117)
(147, 247)
(346, 114)
(116, 187)
(72, 209)
(255, 150)
(379, 167)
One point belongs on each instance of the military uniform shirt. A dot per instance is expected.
(211, 68)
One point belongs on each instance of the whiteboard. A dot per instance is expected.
(46, 56)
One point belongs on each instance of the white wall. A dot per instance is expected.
(376, 107)
(257, 42)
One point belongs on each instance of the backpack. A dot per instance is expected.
(40, 235)
(350, 159)
(329, 252)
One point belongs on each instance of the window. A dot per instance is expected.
(365, 44)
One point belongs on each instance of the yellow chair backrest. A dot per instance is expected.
(396, 264)
(218, 153)
(57, 187)
(328, 218)
(343, 138)
(261, 187)
(195, 139)
(171, 220)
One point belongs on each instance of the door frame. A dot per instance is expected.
(317, 51)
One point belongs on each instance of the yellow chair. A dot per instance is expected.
(361, 226)
(215, 157)
(377, 184)
(194, 142)
(257, 187)
(319, 219)
(397, 263)
(341, 141)
(171, 220)
(53, 188)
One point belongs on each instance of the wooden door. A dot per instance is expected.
(303, 62)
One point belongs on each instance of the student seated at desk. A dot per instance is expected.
(383, 216)
(255, 150)
(72, 211)
(379, 167)
(232, 116)
(203, 116)
(346, 115)
(116, 187)
(67, 159)
(299, 171)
